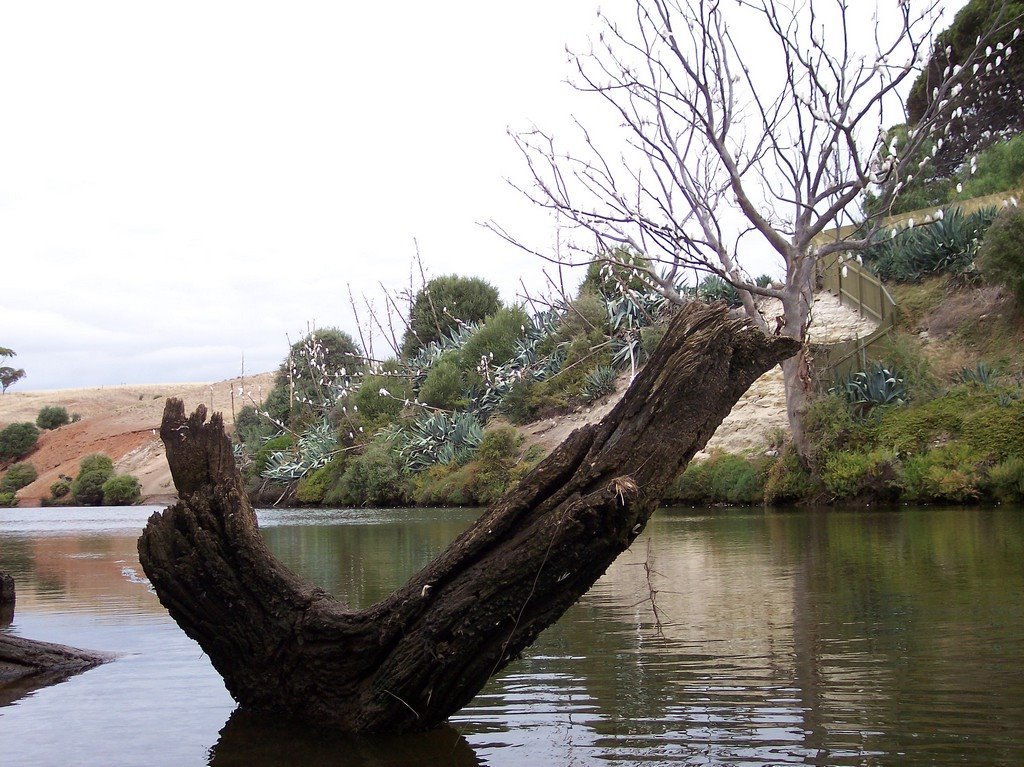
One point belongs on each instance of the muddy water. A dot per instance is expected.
(828, 638)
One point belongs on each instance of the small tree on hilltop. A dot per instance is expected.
(8, 375)
(748, 124)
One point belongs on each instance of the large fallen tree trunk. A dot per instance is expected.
(411, 660)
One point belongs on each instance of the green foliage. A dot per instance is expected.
(374, 478)
(273, 445)
(122, 490)
(17, 440)
(496, 339)
(999, 169)
(87, 489)
(376, 409)
(60, 488)
(966, 414)
(714, 288)
(1001, 257)
(854, 474)
(443, 304)
(445, 383)
(598, 382)
(787, 481)
(496, 460)
(989, 102)
(946, 245)
(251, 427)
(829, 426)
(52, 417)
(585, 316)
(904, 353)
(314, 487)
(981, 375)
(722, 477)
(313, 375)
(8, 501)
(10, 376)
(866, 390)
(438, 438)
(1005, 480)
(17, 477)
(620, 272)
(951, 472)
(96, 462)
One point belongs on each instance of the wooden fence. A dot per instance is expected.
(859, 289)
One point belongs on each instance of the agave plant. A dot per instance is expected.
(438, 437)
(877, 386)
(598, 382)
(947, 244)
(981, 374)
(315, 448)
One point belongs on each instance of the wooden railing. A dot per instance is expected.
(859, 289)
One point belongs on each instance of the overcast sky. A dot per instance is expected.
(182, 183)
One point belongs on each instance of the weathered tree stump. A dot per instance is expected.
(411, 660)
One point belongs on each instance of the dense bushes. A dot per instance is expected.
(1001, 257)
(17, 477)
(17, 440)
(721, 478)
(444, 303)
(122, 490)
(52, 417)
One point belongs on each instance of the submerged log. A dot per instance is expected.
(408, 662)
(27, 665)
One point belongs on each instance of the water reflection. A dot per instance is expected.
(811, 638)
(249, 739)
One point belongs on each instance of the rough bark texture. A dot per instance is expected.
(411, 660)
(6, 599)
(27, 665)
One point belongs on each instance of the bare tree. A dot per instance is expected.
(747, 126)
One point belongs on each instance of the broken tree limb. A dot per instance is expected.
(408, 662)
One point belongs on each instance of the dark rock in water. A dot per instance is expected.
(27, 665)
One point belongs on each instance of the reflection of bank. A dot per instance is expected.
(95, 570)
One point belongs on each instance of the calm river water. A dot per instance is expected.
(826, 638)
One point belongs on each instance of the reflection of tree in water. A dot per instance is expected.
(251, 740)
(16, 556)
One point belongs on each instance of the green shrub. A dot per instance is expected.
(446, 485)
(60, 488)
(251, 427)
(865, 390)
(586, 315)
(376, 410)
(87, 489)
(17, 439)
(96, 462)
(495, 460)
(951, 472)
(829, 426)
(714, 288)
(314, 487)
(440, 306)
(496, 339)
(853, 474)
(52, 417)
(8, 501)
(721, 478)
(1000, 168)
(1001, 257)
(273, 445)
(374, 478)
(444, 384)
(1005, 480)
(787, 481)
(17, 477)
(122, 490)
